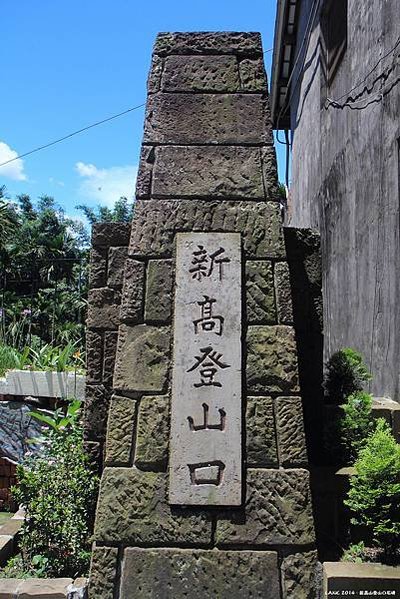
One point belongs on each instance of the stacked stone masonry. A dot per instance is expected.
(207, 164)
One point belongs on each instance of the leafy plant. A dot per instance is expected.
(355, 553)
(374, 495)
(58, 491)
(11, 358)
(346, 373)
(356, 424)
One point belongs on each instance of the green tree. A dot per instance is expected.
(122, 211)
(374, 495)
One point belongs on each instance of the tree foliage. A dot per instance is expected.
(58, 491)
(374, 495)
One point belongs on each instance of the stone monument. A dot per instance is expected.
(205, 491)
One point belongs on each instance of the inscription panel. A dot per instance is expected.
(205, 447)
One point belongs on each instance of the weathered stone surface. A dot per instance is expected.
(143, 181)
(277, 511)
(207, 118)
(283, 293)
(120, 427)
(53, 588)
(158, 303)
(182, 573)
(157, 221)
(96, 409)
(93, 450)
(133, 292)
(9, 587)
(103, 308)
(205, 462)
(98, 267)
(271, 360)
(116, 265)
(300, 575)
(207, 171)
(142, 358)
(252, 75)
(110, 234)
(16, 427)
(110, 349)
(103, 570)
(290, 429)
(270, 173)
(11, 527)
(201, 73)
(132, 508)
(6, 548)
(221, 42)
(154, 78)
(260, 292)
(94, 356)
(260, 433)
(152, 433)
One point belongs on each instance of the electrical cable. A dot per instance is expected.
(367, 75)
(56, 141)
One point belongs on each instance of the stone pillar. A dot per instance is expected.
(207, 166)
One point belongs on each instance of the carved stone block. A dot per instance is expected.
(142, 358)
(216, 42)
(260, 433)
(158, 303)
(103, 570)
(206, 409)
(200, 73)
(260, 292)
(252, 75)
(103, 308)
(207, 119)
(283, 293)
(182, 573)
(133, 508)
(278, 511)
(121, 423)
(157, 221)
(133, 292)
(272, 360)
(207, 171)
(152, 433)
(290, 429)
(116, 265)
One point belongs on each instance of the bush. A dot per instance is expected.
(374, 495)
(58, 492)
(355, 553)
(356, 424)
(346, 373)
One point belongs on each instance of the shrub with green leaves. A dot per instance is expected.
(374, 495)
(355, 553)
(58, 491)
(356, 424)
(346, 373)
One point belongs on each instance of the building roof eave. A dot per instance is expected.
(282, 61)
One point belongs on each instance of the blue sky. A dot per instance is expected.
(71, 63)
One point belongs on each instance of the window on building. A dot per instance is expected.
(335, 35)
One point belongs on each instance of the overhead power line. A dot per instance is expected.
(57, 141)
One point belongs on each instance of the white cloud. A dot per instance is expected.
(106, 185)
(13, 170)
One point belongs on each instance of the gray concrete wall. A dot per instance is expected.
(345, 164)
